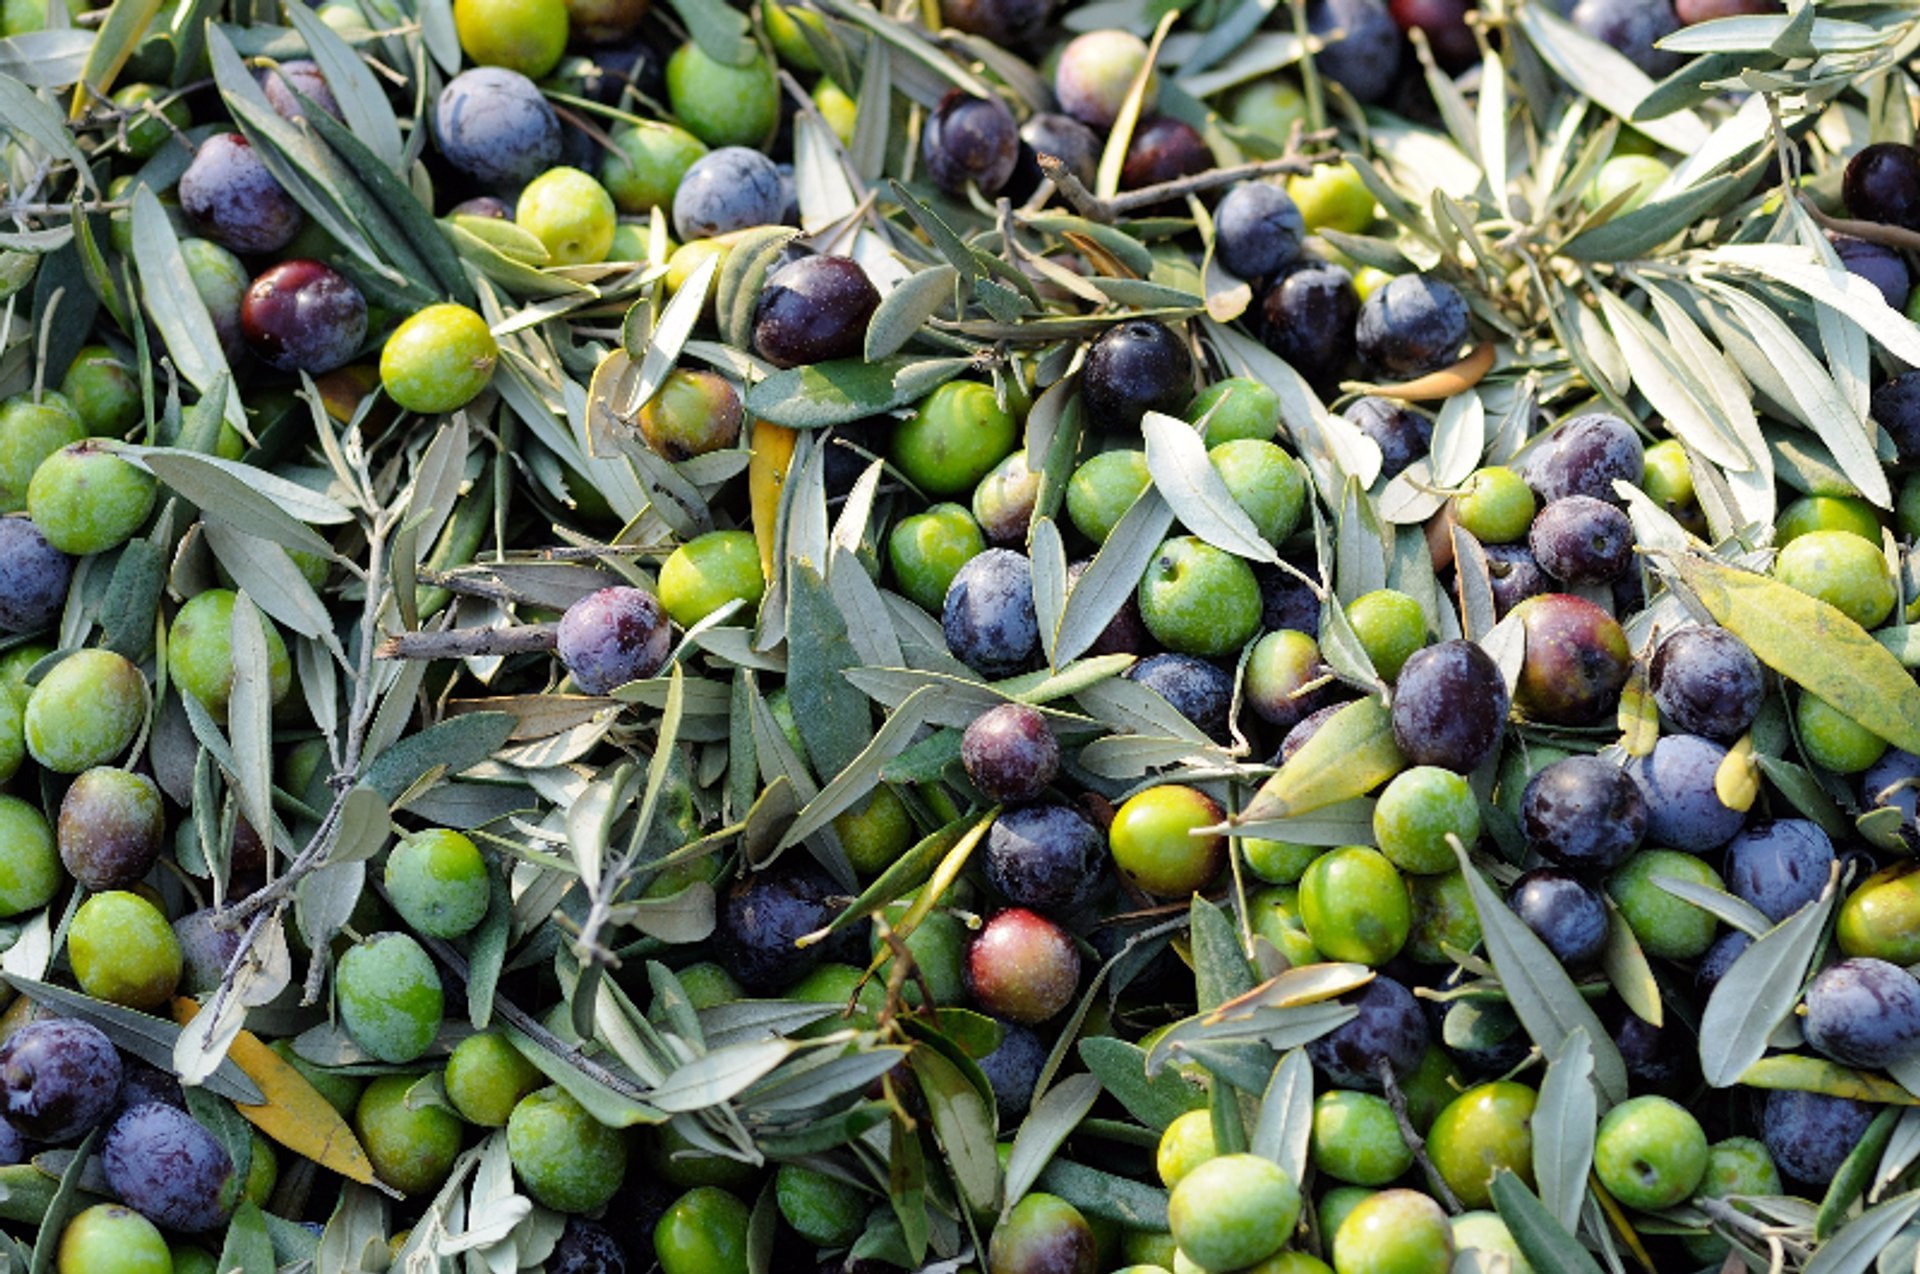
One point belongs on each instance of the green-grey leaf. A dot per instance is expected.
(1542, 995)
(720, 1075)
(963, 1121)
(249, 1247)
(1284, 1130)
(175, 306)
(32, 119)
(255, 501)
(1546, 1244)
(1220, 964)
(1563, 1122)
(830, 711)
(1629, 235)
(149, 1038)
(1855, 1174)
(250, 713)
(1757, 993)
(1605, 75)
(1737, 912)
(363, 104)
(456, 744)
(1812, 394)
(1184, 476)
(833, 393)
(1121, 1200)
(904, 311)
(1122, 1070)
(721, 32)
(1853, 1249)
(1115, 573)
(1050, 1122)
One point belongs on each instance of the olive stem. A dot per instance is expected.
(1872, 231)
(459, 643)
(1415, 1142)
(520, 1021)
(1094, 208)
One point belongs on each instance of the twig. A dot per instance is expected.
(1084, 201)
(469, 585)
(459, 643)
(1872, 231)
(1415, 1142)
(599, 135)
(514, 1017)
(1094, 208)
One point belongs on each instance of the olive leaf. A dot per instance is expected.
(249, 715)
(34, 121)
(363, 104)
(1350, 755)
(1113, 576)
(67, 1200)
(248, 1247)
(1185, 478)
(1542, 1239)
(1812, 395)
(1662, 375)
(1119, 1200)
(1046, 1126)
(1735, 912)
(1852, 1250)
(1627, 970)
(903, 313)
(1284, 1130)
(1811, 643)
(1542, 995)
(1122, 1070)
(963, 1120)
(1758, 991)
(1797, 1073)
(834, 393)
(148, 1038)
(1564, 1119)
(177, 311)
(1604, 75)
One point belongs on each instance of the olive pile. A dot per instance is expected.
(1007, 636)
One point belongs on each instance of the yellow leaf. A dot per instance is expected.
(295, 1114)
(1737, 781)
(1795, 1072)
(766, 475)
(1350, 755)
(1639, 715)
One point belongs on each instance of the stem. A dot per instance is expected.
(539, 1034)
(458, 643)
(1310, 87)
(1415, 1142)
(1872, 231)
(1094, 208)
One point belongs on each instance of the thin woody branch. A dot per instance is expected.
(1094, 208)
(460, 643)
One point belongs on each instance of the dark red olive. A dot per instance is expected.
(1164, 149)
(813, 310)
(302, 316)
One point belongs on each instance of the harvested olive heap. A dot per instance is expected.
(990, 636)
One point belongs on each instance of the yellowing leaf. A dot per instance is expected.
(1737, 781)
(1639, 716)
(295, 1114)
(766, 474)
(1812, 644)
(1350, 755)
(1817, 1075)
